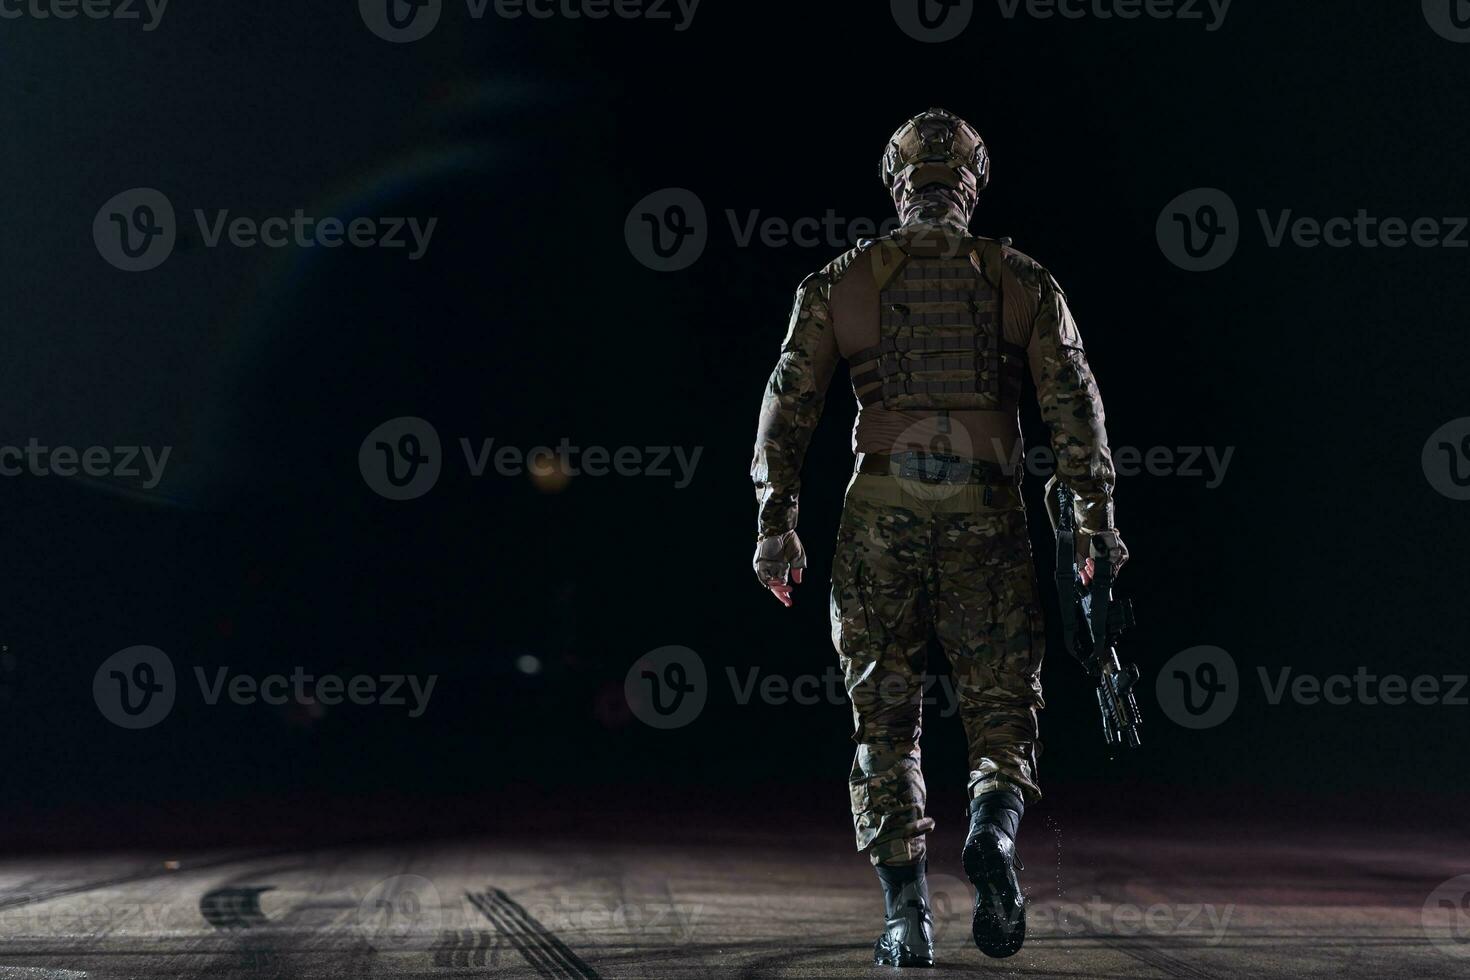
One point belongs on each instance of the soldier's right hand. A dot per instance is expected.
(1106, 545)
(779, 560)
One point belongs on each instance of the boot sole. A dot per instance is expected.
(985, 866)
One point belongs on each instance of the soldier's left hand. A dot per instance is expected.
(779, 561)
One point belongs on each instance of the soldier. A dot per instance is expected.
(937, 327)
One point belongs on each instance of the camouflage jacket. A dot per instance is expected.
(1035, 318)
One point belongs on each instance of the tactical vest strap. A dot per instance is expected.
(887, 391)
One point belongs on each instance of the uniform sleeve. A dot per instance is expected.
(1072, 408)
(792, 406)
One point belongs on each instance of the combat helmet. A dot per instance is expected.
(936, 147)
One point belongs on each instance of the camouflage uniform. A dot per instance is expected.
(947, 323)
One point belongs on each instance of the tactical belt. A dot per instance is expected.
(937, 468)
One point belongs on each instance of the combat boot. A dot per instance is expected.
(999, 924)
(908, 929)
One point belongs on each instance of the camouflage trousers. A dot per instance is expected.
(915, 561)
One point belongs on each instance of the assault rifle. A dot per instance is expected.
(1092, 621)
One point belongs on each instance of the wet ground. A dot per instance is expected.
(1194, 903)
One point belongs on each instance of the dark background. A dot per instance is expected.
(529, 320)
